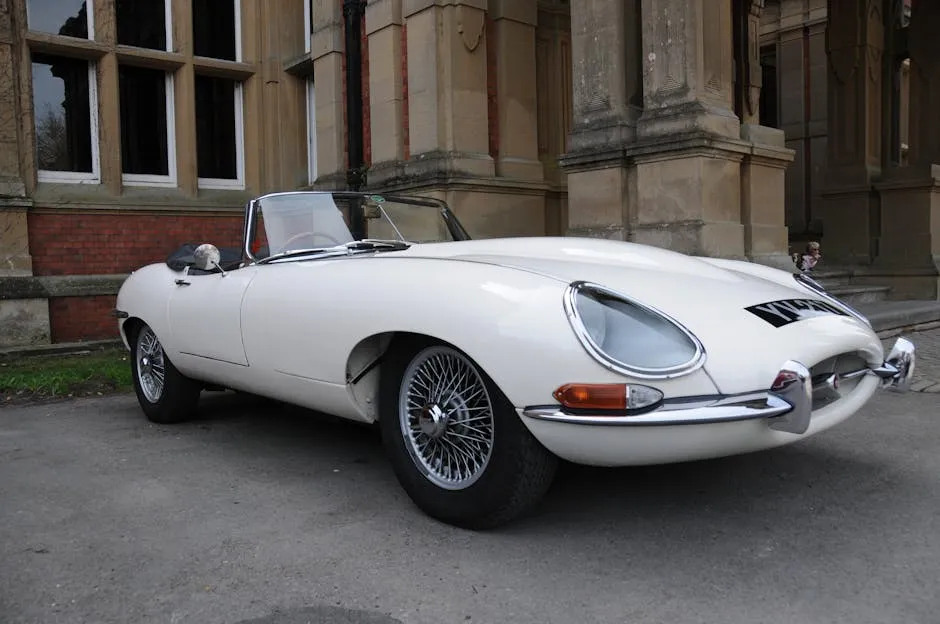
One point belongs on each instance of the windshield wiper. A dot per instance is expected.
(359, 245)
(371, 243)
(300, 252)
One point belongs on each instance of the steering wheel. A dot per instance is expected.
(302, 235)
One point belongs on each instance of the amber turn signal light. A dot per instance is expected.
(607, 396)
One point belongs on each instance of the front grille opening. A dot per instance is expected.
(836, 377)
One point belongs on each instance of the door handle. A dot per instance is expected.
(182, 282)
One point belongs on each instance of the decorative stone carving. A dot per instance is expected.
(470, 24)
(752, 70)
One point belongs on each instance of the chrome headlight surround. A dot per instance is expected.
(576, 320)
(812, 285)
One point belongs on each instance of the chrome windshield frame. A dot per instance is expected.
(454, 227)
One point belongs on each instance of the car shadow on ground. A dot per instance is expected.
(812, 481)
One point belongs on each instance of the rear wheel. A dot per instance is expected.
(455, 442)
(165, 395)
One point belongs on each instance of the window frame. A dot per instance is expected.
(168, 22)
(238, 36)
(89, 11)
(238, 182)
(238, 30)
(308, 24)
(151, 179)
(311, 99)
(75, 177)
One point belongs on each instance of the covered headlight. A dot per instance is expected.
(629, 337)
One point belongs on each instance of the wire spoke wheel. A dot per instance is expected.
(151, 365)
(446, 418)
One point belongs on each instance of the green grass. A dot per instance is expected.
(58, 376)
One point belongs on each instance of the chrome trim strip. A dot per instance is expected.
(815, 287)
(678, 412)
(574, 319)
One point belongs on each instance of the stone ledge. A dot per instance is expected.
(661, 148)
(45, 287)
(13, 203)
(439, 171)
(51, 196)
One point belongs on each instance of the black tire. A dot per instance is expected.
(517, 473)
(177, 399)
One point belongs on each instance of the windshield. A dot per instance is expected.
(293, 223)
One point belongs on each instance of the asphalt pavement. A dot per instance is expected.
(269, 515)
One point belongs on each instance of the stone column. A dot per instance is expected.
(688, 68)
(514, 24)
(447, 103)
(689, 162)
(22, 321)
(386, 101)
(910, 196)
(327, 54)
(763, 169)
(855, 45)
(607, 100)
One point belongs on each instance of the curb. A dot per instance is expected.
(62, 348)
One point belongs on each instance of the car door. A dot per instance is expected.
(205, 314)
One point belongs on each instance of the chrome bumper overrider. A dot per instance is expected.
(786, 406)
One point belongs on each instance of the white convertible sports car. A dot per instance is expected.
(485, 361)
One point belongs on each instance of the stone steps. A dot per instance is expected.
(895, 316)
(854, 295)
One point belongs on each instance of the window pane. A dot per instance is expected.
(63, 113)
(61, 17)
(215, 128)
(214, 28)
(143, 120)
(141, 24)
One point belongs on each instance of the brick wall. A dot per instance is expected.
(76, 243)
(74, 319)
(91, 244)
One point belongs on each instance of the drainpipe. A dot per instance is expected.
(353, 11)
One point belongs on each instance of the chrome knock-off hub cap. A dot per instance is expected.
(446, 418)
(433, 421)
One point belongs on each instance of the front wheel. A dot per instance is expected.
(455, 442)
(165, 395)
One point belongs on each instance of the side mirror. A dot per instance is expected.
(370, 209)
(207, 257)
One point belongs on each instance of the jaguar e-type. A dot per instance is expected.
(486, 361)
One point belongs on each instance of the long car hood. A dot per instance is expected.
(709, 300)
(658, 277)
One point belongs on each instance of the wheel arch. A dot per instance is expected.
(129, 329)
(368, 361)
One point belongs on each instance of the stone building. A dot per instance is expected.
(706, 126)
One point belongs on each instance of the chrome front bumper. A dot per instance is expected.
(786, 406)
